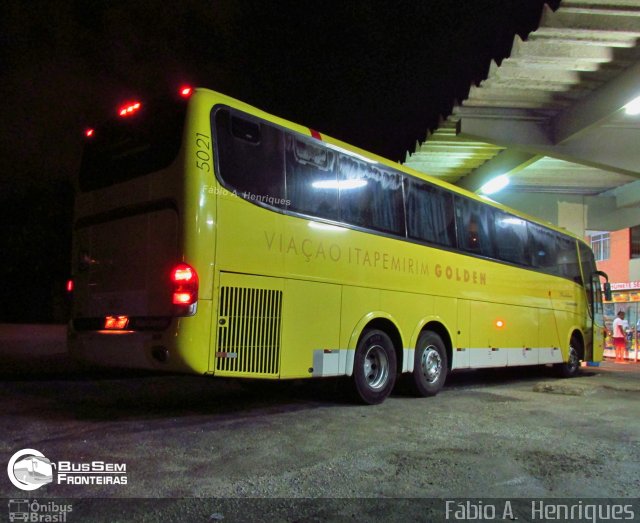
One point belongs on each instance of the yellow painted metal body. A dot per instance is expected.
(315, 288)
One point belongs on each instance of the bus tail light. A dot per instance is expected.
(184, 280)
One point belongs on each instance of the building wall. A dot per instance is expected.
(634, 269)
(617, 266)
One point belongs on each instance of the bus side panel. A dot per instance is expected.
(310, 330)
(411, 311)
(250, 238)
(548, 335)
(565, 321)
(503, 335)
(357, 303)
(460, 349)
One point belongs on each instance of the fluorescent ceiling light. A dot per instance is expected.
(633, 107)
(496, 184)
(340, 184)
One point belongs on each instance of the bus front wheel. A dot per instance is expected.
(571, 367)
(429, 365)
(374, 367)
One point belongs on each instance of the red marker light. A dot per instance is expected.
(129, 109)
(186, 91)
(89, 133)
(70, 285)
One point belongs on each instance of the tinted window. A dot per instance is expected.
(144, 142)
(430, 215)
(250, 157)
(311, 179)
(543, 247)
(474, 223)
(370, 195)
(510, 234)
(568, 259)
(588, 261)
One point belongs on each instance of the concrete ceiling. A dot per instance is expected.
(551, 116)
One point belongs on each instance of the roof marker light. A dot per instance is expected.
(89, 132)
(129, 109)
(186, 91)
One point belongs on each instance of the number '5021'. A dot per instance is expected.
(203, 152)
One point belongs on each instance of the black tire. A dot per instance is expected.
(430, 365)
(571, 368)
(374, 367)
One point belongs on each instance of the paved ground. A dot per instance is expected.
(286, 453)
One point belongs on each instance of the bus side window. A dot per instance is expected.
(311, 183)
(429, 213)
(370, 196)
(245, 129)
(473, 221)
(250, 157)
(568, 259)
(543, 248)
(511, 238)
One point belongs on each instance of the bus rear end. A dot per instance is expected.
(137, 263)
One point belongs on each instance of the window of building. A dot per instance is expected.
(635, 241)
(600, 245)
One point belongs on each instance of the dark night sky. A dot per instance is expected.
(375, 74)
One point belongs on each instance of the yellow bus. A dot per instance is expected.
(213, 238)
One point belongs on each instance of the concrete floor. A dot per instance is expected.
(303, 452)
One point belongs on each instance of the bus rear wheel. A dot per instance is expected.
(429, 365)
(374, 367)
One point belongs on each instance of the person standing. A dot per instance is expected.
(620, 327)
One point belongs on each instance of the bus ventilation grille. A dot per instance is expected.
(249, 331)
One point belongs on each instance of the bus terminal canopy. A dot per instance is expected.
(555, 118)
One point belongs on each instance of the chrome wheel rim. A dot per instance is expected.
(431, 364)
(573, 362)
(376, 367)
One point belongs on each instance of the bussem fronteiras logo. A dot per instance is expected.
(29, 469)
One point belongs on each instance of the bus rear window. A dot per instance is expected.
(125, 148)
